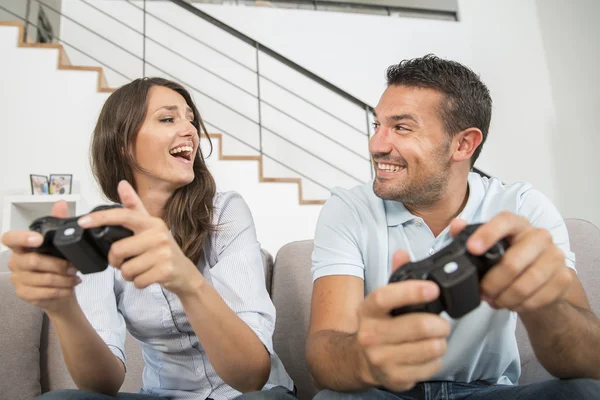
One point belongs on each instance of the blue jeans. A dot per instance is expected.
(555, 389)
(276, 393)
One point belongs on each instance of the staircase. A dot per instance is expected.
(49, 130)
(299, 128)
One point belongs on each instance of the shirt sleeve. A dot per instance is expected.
(336, 245)
(238, 275)
(97, 299)
(540, 211)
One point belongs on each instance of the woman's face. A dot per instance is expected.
(167, 142)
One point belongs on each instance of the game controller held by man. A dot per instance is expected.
(457, 273)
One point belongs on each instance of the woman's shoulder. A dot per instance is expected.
(230, 206)
(228, 201)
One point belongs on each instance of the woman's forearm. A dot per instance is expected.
(233, 348)
(90, 362)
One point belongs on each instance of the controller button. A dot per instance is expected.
(69, 231)
(450, 267)
(495, 253)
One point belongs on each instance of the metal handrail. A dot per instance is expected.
(259, 48)
(209, 18)
(330, 114)
(62, 41)
(233, 84)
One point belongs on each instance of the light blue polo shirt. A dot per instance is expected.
(357, 233)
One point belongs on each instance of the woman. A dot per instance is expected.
(189, 284)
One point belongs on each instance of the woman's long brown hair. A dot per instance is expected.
(188, 212)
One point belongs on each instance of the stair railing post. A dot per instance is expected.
(260, 146)
(367, 110)
(144, 42)
(27, 10)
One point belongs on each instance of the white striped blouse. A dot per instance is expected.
(176, 365)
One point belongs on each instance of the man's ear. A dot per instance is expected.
(466, 143)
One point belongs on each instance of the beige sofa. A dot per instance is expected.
(31, 361)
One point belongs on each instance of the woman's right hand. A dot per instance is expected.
(43, 280)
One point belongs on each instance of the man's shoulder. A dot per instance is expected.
(519, 197)
(358, 197)
(495, 193)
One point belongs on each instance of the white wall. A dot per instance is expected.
(523, 65)
(571, 31)
(49, 131)
(494, 37)
(353, 51)
(200, 68)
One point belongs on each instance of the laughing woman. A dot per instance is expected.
(189, 284)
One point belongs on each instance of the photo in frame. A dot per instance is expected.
(60, 183)
(39, 184)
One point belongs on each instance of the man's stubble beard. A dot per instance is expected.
(423, 191)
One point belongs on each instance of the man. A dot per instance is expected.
(430, 125)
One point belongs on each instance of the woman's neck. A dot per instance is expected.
(154, 199)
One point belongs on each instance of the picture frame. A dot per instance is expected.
(40, 184)
(60, 183)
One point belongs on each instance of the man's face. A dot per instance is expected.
(410, 148)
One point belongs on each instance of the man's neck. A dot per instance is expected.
(439, 215)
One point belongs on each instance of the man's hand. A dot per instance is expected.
(39, 279)
(532, 273)
(151, 255)
(401, 351)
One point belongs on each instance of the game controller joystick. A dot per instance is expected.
(86, 249)
(456, 272)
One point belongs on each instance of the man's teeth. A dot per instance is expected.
(180, 149)
(389, 167)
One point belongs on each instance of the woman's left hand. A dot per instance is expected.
(151, 255)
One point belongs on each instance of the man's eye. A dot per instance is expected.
(376, 125)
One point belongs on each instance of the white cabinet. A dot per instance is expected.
(20, 211)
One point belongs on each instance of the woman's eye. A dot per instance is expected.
(167, 119)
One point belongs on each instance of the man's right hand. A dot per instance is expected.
(400, 351)
(45, 281)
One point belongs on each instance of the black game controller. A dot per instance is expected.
(86, 249)
(457, 273)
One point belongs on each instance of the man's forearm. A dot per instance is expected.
(336, 362)
(565, 339)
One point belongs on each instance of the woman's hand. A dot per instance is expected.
(151, 255)
(39, 279)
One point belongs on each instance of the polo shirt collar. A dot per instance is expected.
(397, 214)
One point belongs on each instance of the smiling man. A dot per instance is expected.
(430, 126)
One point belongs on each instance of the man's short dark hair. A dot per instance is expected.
(467, 100)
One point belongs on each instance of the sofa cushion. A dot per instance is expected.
(584, 238)
(291, 292)
(20, 333)
(4, 256)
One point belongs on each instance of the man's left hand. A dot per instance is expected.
(532, 273)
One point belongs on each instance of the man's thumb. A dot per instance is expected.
(60, 209)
